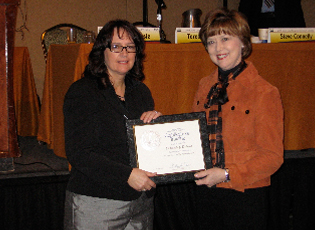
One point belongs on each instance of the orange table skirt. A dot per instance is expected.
(25, 97)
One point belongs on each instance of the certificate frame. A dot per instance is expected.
(202, 138)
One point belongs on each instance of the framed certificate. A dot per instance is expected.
(173, 146)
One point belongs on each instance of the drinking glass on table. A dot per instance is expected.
(89, 37)
(71, 35)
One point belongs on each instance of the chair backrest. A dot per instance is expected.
(58, 35)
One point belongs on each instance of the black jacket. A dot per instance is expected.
(288, 13)
(95, 137)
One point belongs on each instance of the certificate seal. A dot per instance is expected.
(150, 140)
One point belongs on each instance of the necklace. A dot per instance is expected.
(120, 97)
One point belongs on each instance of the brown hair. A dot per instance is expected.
(97, 67)
(223, 21)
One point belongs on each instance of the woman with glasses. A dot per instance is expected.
(245, 119)
(104, 192)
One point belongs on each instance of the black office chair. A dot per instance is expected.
(58, 35)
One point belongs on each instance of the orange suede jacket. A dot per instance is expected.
(252, 128)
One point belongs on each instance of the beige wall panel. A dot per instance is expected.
(309, 12)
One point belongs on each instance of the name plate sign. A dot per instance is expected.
(187, 35)
(173, 146)
(150, 33)
(277, 35)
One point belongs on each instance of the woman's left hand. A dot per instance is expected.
(148, 116)
(140, 180)
(210, 177)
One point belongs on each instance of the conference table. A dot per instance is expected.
(172, 73)
(26, 101)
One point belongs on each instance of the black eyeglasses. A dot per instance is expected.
(119, 48)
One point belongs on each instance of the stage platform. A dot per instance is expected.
(32, 196)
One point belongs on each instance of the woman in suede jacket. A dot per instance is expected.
(245, 121)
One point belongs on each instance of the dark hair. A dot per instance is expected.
(223, 21)
(97, 67)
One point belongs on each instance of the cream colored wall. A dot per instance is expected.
(43, 14)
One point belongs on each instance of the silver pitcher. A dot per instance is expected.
(191, 18)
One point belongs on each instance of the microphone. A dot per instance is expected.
(160, 3)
